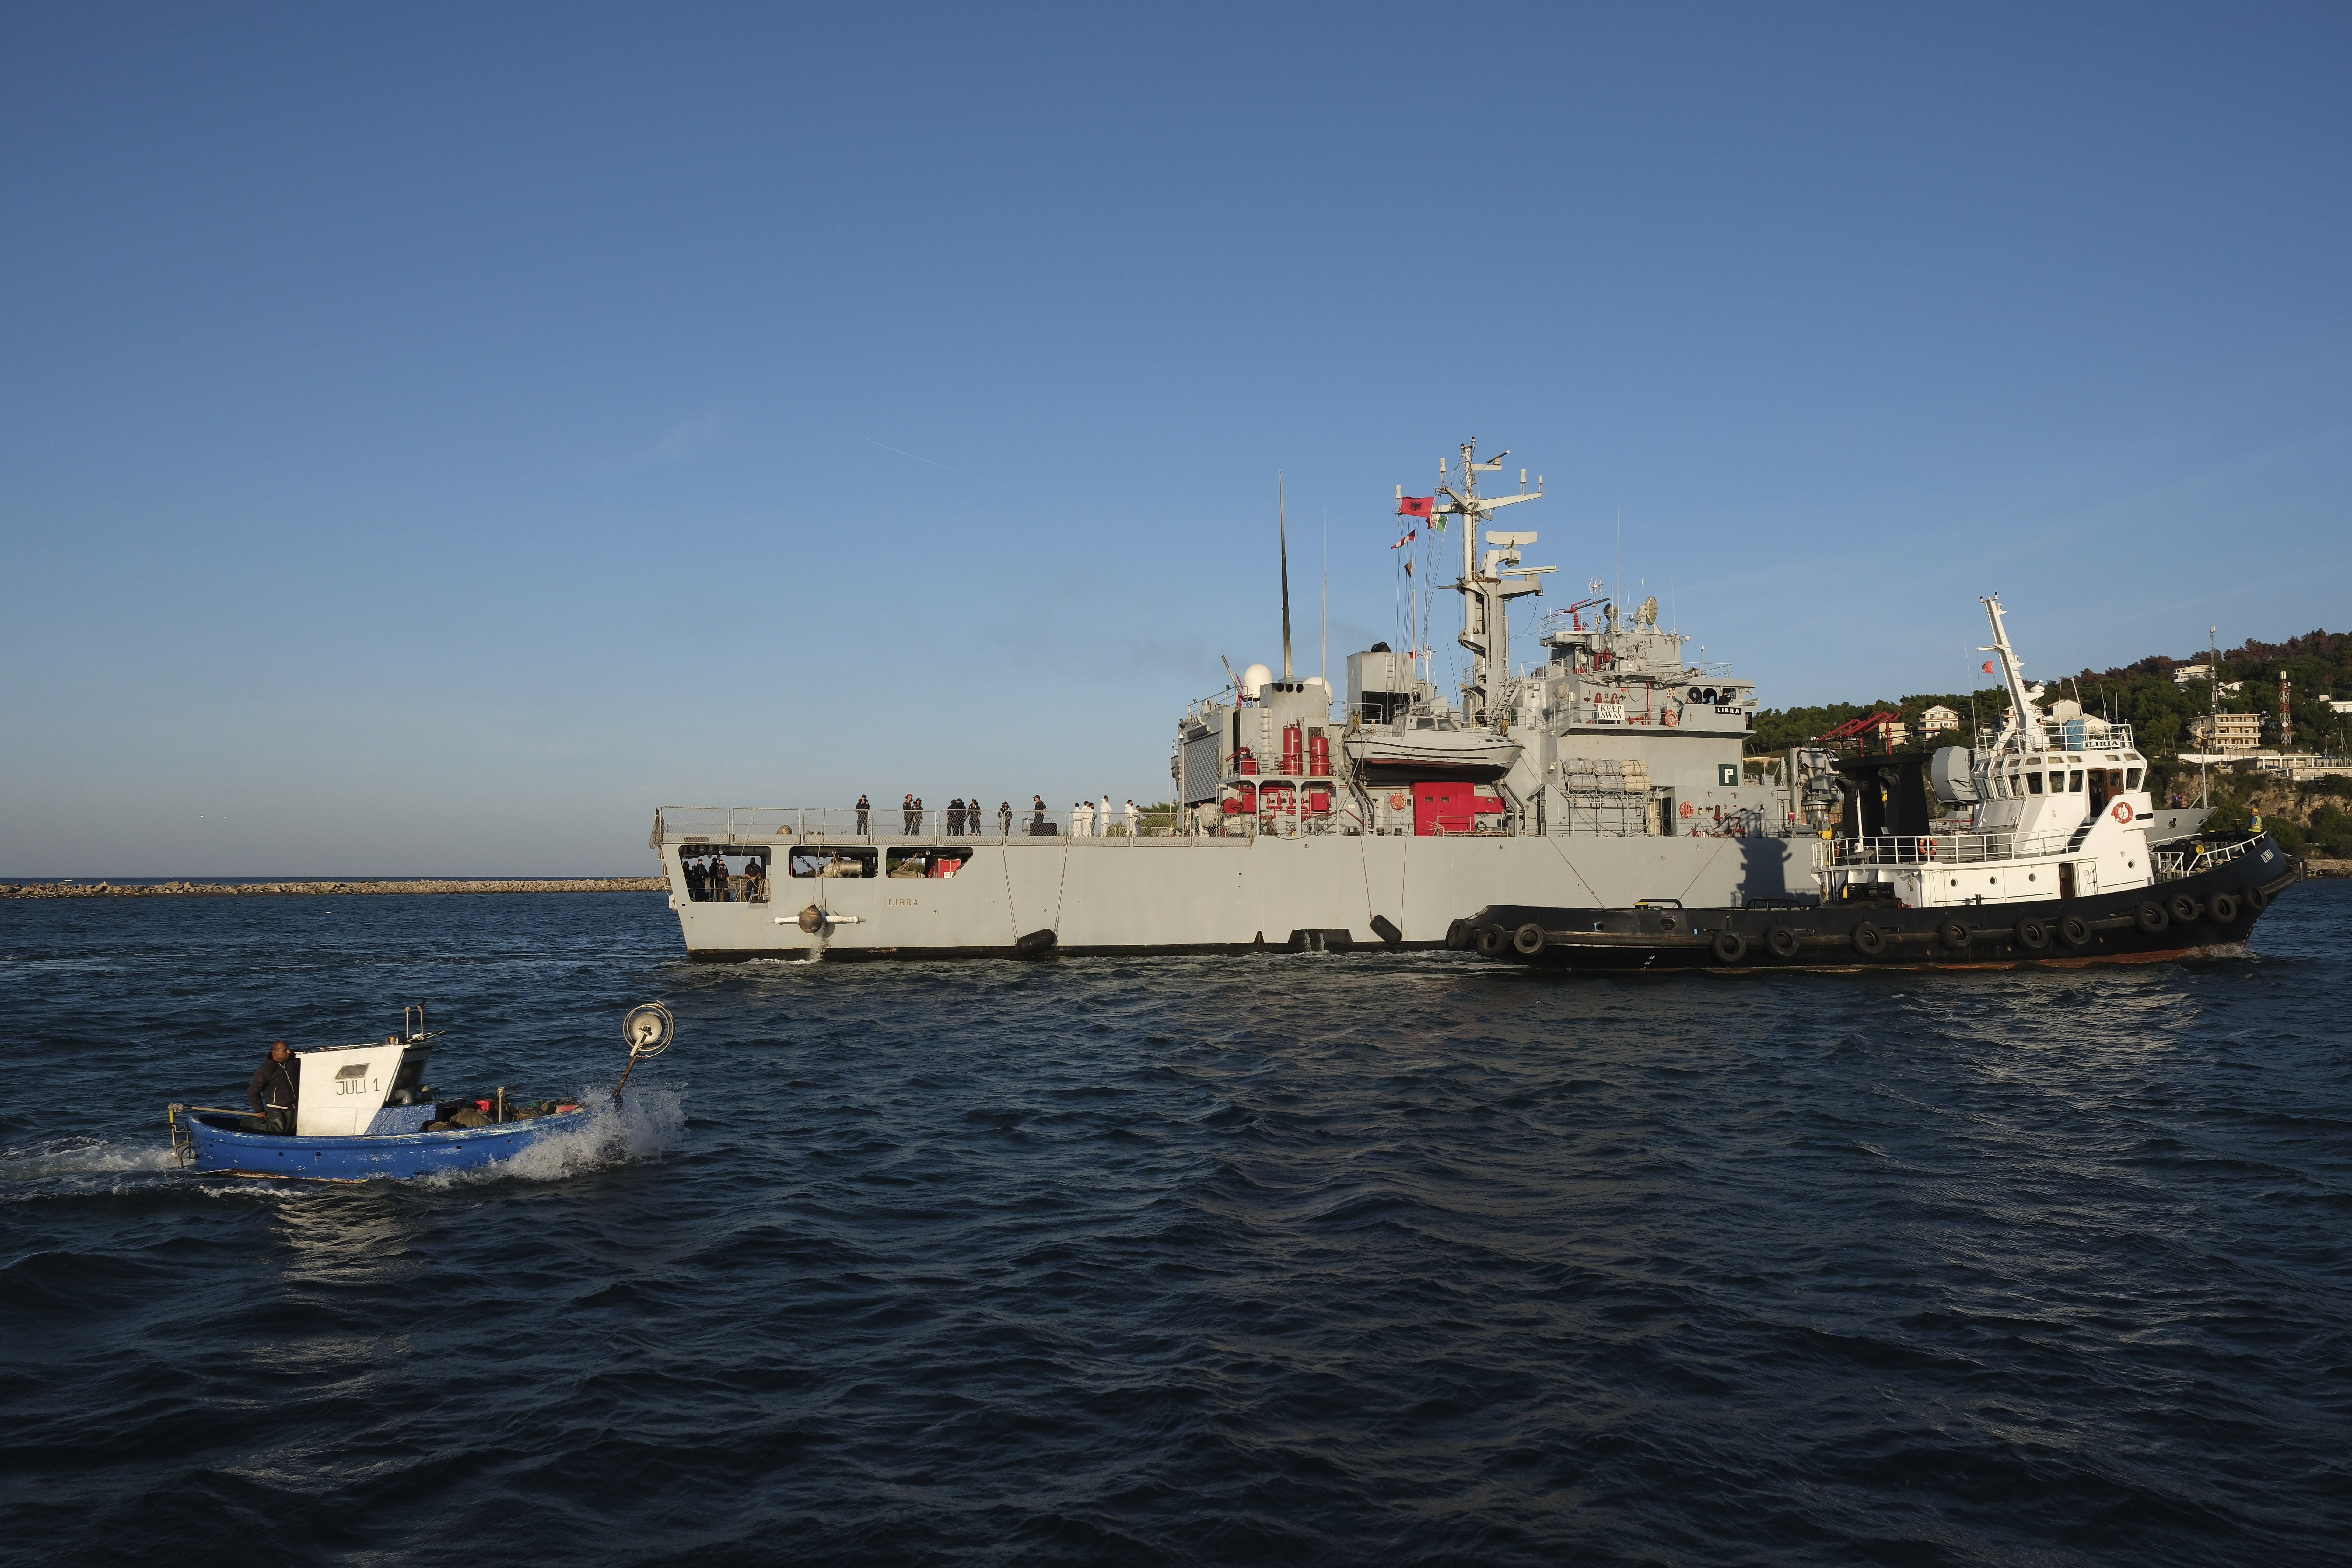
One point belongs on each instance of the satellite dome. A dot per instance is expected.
(1254, 678)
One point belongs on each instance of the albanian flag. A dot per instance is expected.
(1416, 506)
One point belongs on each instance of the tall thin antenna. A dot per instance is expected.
(1326, 599)
(1282, 523)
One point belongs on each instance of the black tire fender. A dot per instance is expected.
(1730, 947)
(2152, 918)
(2032, 935)
(1035, 943)
(1956, 936)
(2257, 900)
(2183, 909)
(1528, 940)
(1492, 940)
(1869, 941)
(1458, 936)
(1782, 942)
(2075, 931)
(2224, 909)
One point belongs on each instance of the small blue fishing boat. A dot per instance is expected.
(364, 1111)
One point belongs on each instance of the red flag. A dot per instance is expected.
(1988, 667)
(1416, 506)
(1401, 544)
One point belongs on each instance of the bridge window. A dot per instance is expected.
(2074, 782)
(2131, 779)
(2033, 784)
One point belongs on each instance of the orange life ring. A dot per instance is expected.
(1688, 808)
(2121, 811)
(1669, 718)
(1927, 849)
(1398, 802)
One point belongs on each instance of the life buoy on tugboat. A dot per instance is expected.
(2121, 811)
(1669, 718)
(1399, 801)
(1688, 808)
(1927, 849)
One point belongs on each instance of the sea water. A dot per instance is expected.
(1280, 1258)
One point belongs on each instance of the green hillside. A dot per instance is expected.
(2318, 665)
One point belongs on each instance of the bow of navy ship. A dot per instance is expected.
(2057, 856)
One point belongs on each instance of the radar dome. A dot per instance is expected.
(1254, 680)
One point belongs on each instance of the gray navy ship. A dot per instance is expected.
(1610, 775)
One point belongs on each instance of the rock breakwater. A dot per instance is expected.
(248, 890)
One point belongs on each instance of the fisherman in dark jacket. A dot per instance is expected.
(272, 1092)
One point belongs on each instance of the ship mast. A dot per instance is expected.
(2024, 717)
(1486, 625)
(1282, 527)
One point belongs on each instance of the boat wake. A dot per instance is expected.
(646, 1125)
(80, 1162)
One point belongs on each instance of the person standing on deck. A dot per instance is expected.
(863, 807)
(1134, 818)
(719, 889)
(1037, 818)
(1102, 817)
(275, 1087)
(907, 812)
(1004, 819)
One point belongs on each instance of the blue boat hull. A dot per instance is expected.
(216, 1146)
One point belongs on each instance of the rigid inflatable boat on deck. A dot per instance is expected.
(2055, 864)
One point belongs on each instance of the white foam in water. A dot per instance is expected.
(55, 1160)
(648, 1123)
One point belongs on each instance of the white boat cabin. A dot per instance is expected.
(2056, 807)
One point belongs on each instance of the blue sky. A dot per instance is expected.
(434, 437)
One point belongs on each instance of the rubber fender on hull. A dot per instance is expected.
(1492, 940)
(1386, 932)
(2225, 909)
(1730, 947)
(1529, 938)
(1035, 943)
(1458, 936)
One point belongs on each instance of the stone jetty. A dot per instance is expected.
(249, 890)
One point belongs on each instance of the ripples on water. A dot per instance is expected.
(1330, 1257)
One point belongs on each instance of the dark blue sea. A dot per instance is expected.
(1313, 1259)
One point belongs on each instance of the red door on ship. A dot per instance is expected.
(1441, 808)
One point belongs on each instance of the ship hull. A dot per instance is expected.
(1082, 896)
(2213, 910)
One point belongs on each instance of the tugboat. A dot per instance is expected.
(2053, 864)
(364, 1111)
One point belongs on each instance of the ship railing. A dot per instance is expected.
(1942, 849)
(693, 827)
(2171, 865)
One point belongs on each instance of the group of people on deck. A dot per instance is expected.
(1089, 819)
(708, 880)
